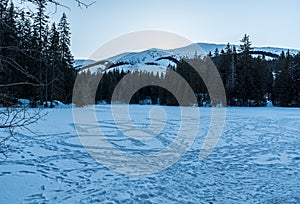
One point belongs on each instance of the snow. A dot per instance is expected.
(144, 56)
(261, 56)
(148, 59)
(210, 47)
(156, 69)
(79, 63)
(257, 160)
(277, 50)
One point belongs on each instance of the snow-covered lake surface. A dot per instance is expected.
(257, 160)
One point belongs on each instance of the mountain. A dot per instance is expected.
(210, 47)
(157, 60)
(79, 63)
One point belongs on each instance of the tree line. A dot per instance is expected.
(248, 79)
(251, 81)
(35, 58)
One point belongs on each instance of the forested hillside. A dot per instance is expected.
(249, 78)
(36, 64)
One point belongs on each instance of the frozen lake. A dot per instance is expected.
(257, 160)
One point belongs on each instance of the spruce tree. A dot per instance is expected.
(40, 22)
(54, 63)
(9, 48)
(245, 71)
(66, 57)
(281, 94)
(296, 79)
(216, 53)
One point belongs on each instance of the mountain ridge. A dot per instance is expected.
(157, 60)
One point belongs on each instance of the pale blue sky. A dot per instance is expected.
(268, 22)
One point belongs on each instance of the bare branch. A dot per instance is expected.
(14, 117)
(80, 4)
(20, 83)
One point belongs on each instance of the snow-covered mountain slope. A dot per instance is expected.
(157, 60)
(148, 57)
(153, 60)
(210, 47)
(79, 63)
